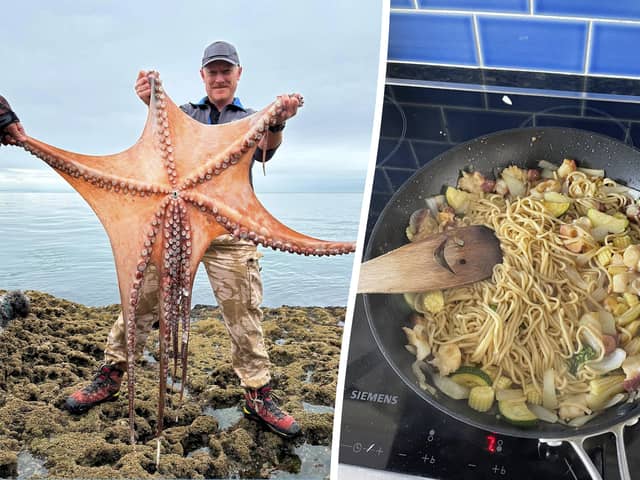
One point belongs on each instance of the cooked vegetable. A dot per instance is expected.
(416, 368)
(586, 353)
(611, 223)
(606, 385)
(549, 398)
(417, 339)
(629, 316)
(533, 395)
(556, 209)
(631, 369)
(510, 395)
(624, 242)
(458, 199)
(502, 383)
(631, 299)
(567, 167)
(471, 377)
(450, 388)
(447, 359)
(610, 362)
(604, 256)
(573, 406)
(632, 347)
(422, 223)
(481, 398)
(542, 413)
(431, 302)
(516, 180)
(517, 413)
(410, 298)
(601, 390)
(581, 420)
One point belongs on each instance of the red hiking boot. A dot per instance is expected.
(259, 405)
(105, 386)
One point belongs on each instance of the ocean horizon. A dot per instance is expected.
(53, 242)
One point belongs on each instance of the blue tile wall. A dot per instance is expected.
(618, 9)
(513, 6)
(426, 151)
(611, 49)
(525, 103)
(635, 134)
(445, 39)
(401, 155)
(530, 35)
(402, 4)
(428, 96)
(533, 44)
(424, 123)
(465, 125)
(605, 127)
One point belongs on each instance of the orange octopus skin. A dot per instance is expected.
(164, 200)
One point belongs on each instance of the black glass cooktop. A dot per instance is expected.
(385, 425)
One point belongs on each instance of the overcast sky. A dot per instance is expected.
(68, 69)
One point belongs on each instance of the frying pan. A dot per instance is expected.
(523, 147)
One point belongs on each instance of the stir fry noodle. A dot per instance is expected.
(554, 334)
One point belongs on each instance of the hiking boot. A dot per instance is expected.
(105, 386)
(260, 405)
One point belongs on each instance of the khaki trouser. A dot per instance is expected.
(234, 273)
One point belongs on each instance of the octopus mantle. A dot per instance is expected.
(164, 200)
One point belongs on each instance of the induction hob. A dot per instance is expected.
(385, 426)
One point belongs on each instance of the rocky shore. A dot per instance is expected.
(46, 355)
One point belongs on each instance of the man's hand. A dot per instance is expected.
(13, 134)
(290, 105)
(143, 87)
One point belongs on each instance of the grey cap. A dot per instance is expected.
(220, 51)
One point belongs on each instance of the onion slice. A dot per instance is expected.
(450, 388)
(542, 413)
(549, 398)
(610, 362)
(580, 421)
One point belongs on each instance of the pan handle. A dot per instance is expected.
(577, 443)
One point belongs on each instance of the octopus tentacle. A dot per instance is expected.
(91, 175)
(231, 156)
(268, 231)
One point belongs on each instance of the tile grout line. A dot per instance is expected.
(530, 7)
(510, 90)
(413, 153)
(587, 53)
(445, 128)
(476, 34)
(415, 4)
(515, 69)
(527, 15)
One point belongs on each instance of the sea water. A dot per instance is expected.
(53, 242)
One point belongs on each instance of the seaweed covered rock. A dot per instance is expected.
(58, 346)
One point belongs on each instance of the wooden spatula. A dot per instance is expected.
(449, 259)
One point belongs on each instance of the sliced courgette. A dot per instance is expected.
(470, 377)
(517, 413)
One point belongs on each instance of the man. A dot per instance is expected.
(11, 130)
(231, 264)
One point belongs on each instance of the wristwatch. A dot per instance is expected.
(276, 128)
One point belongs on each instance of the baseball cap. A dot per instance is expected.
(220, 51)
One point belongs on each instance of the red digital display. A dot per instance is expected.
(492, 442)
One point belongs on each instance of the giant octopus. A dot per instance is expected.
(164, 200)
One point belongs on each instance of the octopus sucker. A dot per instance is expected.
(163, 201)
